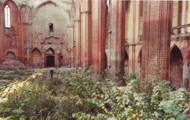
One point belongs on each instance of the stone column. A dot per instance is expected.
(175, 14)
(156, 39)
(1, 35)
(98, 35)
(133, 34)
(2, 39)
(56, 59)
(186, 75)
(117, 40)
(43, 59)
(85, 33)
(77, 37)
(72, 50)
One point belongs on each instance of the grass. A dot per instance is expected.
(7, 77)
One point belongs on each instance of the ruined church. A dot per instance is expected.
(145, 37)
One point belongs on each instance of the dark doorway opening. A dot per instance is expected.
(176, 67)
(51, 29)
(126, 60)
(50, 61)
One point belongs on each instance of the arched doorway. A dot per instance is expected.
(50, 58)
(126, 60)
(176, 67)
(36, 58)
(10, 56)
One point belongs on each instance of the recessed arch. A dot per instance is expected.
(176, 67)
(10, 55)
(25, 14)
(50, 57)
(56, 16)
(35, 49)
(8, 2)
(11, 14)
(50, 51)
(7, 16)
(36, 57)
(45, 3)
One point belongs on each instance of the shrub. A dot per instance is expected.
(77, 96)
(135, 104)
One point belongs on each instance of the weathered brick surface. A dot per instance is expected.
(156, 39)
(12, 64)
(30, 30)
(94, 33)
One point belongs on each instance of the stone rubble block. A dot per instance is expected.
(12, 64)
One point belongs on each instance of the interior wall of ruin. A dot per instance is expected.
(133, 35)
(30, 23)
(76, 33)
(179, 37)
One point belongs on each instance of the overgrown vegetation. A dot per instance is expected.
(76, 96)
(14, 75)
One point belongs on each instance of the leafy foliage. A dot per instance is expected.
(77, 96)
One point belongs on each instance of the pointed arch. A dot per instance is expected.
(36, 49)
(25, 14)
(11, 55)
(50, 57)
(7, 15)
(8, 2)
(36, 58)
(11, 14)
(45, 3)
(50, 51)
(178, 52)
(176, 67)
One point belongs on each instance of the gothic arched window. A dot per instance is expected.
(108, 3)
(7, 16)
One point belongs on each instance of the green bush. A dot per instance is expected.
(135, 104)
(77, 96)
(26, 100)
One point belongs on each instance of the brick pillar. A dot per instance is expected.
(117, 40)
(43, 59)
(186, 81)
(186, 70)
(1, 34)
(56, 58)
(156, 39)
(98, 35)
(72, 52)
(77, 37)
(23, 32)
(85, 33)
